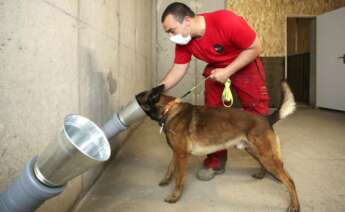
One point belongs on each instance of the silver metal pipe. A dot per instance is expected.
(80, 145)
(114, 126)
(129, 114)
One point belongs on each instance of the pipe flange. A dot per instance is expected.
(41, 177)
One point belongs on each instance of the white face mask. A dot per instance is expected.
(179, 39)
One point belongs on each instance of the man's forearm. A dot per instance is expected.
(243, 59)
(175, 74)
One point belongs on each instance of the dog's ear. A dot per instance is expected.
(158, 89)
(147, 98)
(155, 93)
(142, 99)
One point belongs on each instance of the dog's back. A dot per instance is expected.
(224, 127)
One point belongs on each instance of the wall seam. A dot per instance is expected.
(79, 88)
(154, 45)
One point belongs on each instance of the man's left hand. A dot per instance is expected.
(219, 75)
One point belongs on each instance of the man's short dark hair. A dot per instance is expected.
(178, 10)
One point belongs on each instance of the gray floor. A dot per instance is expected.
(313, 148)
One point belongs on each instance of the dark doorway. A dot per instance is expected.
(301, 58)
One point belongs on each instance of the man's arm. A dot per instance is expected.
(243, 59)
(175, 74)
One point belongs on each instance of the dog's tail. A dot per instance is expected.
(287, 104)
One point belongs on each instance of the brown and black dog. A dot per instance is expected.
(198, 130)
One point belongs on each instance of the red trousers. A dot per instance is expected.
(249, 84)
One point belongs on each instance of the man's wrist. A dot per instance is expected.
(165, 85)
(229, 70)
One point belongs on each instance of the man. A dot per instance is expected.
(231, 49)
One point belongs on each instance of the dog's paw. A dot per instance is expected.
(171, 198)
(164, 182)
(293, 209)
(260, 174)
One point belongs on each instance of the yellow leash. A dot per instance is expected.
(227, 95)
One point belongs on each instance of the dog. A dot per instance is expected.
(199, 130)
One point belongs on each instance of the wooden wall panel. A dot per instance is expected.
(268, 17)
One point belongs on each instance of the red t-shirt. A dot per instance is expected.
(225, 36)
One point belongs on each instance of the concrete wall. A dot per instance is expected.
(66, 56)
(165, 50)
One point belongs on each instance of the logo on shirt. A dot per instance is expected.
(219, 48)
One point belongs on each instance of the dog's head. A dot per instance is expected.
(153, 102)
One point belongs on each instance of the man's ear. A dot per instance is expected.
(156, 92)
(187, 20)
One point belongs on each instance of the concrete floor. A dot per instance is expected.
(313, 148)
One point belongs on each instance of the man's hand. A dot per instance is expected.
(220, 75)
(244, 58)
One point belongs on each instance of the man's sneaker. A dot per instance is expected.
(206, 174)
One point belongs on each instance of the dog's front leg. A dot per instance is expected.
(169, 173)
(180, 175)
